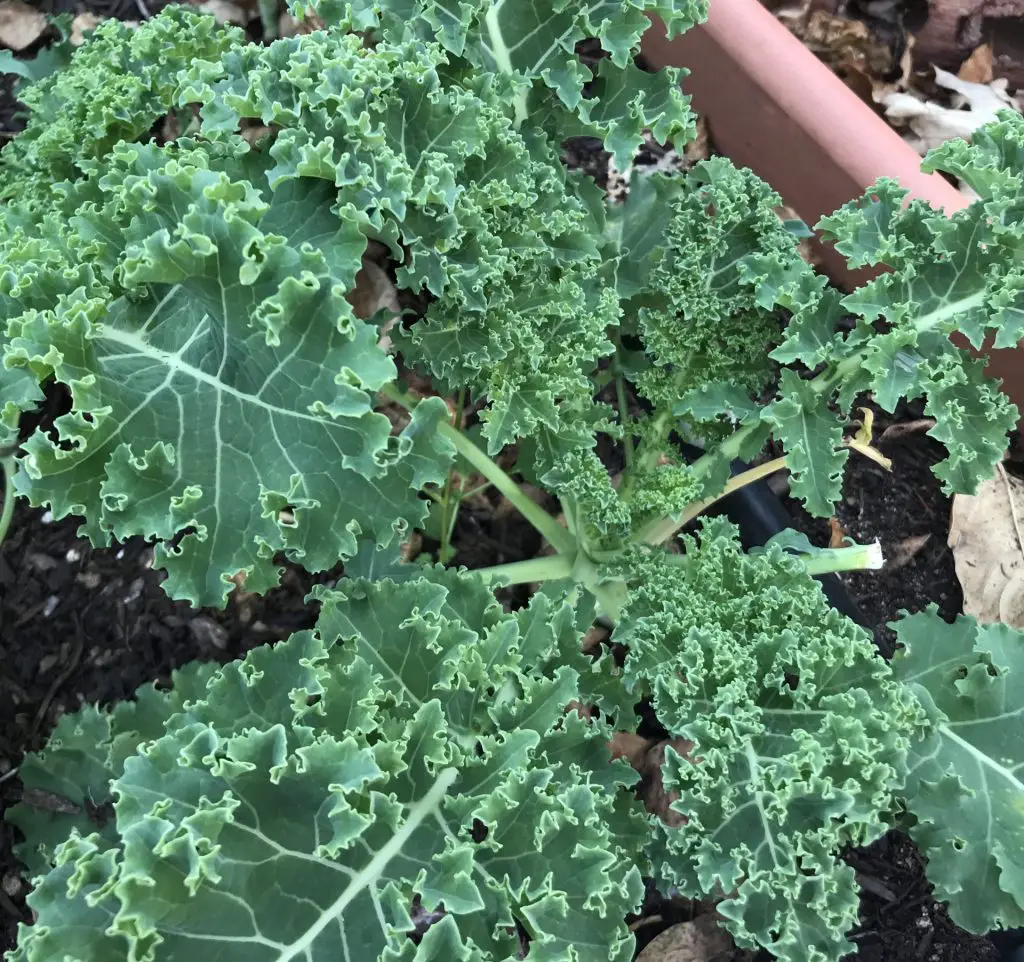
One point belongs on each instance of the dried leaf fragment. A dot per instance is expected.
(905, 551)
(224, 11)
(978, 67)
(988, 549)
(903, 429)
(932, 124)
(837, 536)
(81, 25)
(20, 25)
(699, 940)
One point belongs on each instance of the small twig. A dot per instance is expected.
(7, 904)
(58, 682)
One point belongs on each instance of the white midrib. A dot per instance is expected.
(755, 772)
(986, 761)
(175, 364)
(503, 57)
(932, 319)
(499, 49)
(422, 810)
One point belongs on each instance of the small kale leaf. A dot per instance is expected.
(971, 763)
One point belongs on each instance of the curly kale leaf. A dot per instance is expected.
(229, 381)
(799, 732)
(477, 215)
(192, 297)
(709, 325)
(116, 87)
(529, 48)
(971, 763)
(403, 766)
(945, 275)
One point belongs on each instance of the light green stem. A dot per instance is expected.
(546, 568)
(658, 532)
(858, 557)
(733, 444)
(557, 536)
(269, 16)
(7, 511)
(503, 58)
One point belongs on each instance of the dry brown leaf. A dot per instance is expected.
(657, 799)
(932, 124)
(255, 133)
(836, 533)
(978, 67)
(905, 551)
(843, 43)
(224, 11)
(700, 147)
(630, 746)
(82, 23)
(289, 26)
(903, 429)
(20, 25)
(988, 549)
(373, 292)
(700, 940)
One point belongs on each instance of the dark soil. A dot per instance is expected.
(906, 510)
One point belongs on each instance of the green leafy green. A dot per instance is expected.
(185, 226)
(799, 735)
(322, 798)
(971, 763)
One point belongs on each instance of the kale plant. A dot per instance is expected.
(427, 775)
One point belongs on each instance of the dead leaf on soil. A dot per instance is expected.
(988, 549)
(700, 940)
(931, 124)
(288, 26)
(700, 147)
(373, 292)
(905, 551)
(844, 43)
(978, 68)
(658, 799)
(630, 746)
(837, 535)
(903, 429)
(80, 25)
(224, 11)
(20, 25)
